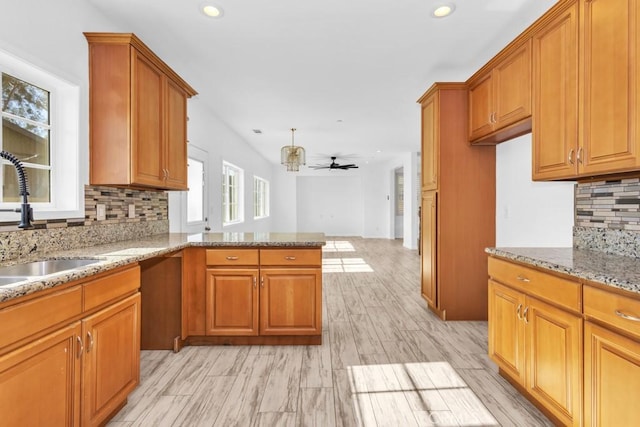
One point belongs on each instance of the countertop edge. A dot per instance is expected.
(121, 258)
(582, 273)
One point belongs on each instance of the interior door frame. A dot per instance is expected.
(200, 155)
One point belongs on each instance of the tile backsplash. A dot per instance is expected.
(151, 217)
(608, 216)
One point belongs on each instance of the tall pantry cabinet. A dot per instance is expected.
(458, 207)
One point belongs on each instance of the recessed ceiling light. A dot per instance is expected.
(212, 11)
(443, 10)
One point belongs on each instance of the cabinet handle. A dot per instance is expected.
(571, 156)
(290, 258)
(90, 346)
(232, 258)
(525, 315)
(262, 282)
(80, 347)
(523, 279)
(579, 157)
(255, 282)
(518, 310)
(627, 316)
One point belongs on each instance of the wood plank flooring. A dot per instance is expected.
(385, 361)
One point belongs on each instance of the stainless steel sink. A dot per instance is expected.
(42, 268)
(4, 281)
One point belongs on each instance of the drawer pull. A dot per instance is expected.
(523, 279)
(518, 310)
(627, 316)
(525, 314)
(232, 258)
(290, 258)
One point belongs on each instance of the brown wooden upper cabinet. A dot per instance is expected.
(138, 115)
(500, 96)
(592, 128)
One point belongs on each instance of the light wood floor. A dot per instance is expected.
(385, 361)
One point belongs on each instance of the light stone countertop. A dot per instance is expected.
(118, 254)
(612, 270)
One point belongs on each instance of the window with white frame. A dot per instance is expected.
(232, 190)
(195, 195)
(260, 197)
(40, 127)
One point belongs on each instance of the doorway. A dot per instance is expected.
(398, 201)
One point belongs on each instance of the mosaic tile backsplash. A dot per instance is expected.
(608, 217)
(151, 217)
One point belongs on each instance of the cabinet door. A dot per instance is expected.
(430, 141)
(512, 87)
(610, 120)
(147, 122)
(232, 302)
(554, 362)
(481, 107)
(506, 330)
(176, 137)
(611, 378)
(40, 382)
(291, 301)
(111, 365)
(555, 97)
(428, 248)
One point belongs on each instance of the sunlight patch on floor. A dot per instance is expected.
(345, 265)
(338, 246)
(429, 393)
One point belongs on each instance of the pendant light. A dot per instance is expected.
(292, 156)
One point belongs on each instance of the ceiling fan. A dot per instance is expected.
(334, 165)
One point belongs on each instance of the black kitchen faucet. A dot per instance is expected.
(26, 213)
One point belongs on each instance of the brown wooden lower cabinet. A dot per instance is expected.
(40, 382)
(76, 370)
(111, 363)
(232, 301)
(291, 301)
(537, 345)
(611, 378)
(256, 295)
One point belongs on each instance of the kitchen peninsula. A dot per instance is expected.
(71, 340)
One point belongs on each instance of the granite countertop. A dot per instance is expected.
(113, 255)
(612, 270)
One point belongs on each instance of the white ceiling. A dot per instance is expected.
(345, 73)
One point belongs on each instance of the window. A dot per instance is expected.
(40, 127)
(232, 183)
(260, 198)
(195, 195)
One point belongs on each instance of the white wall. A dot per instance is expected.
(208, 132)
(332, 205)
(284, 200)
(530, 213)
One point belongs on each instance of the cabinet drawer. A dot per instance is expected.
(285, 257)
(557, 290)
(110, 287)
(22, 320)
(229, 257)
(616, 310)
